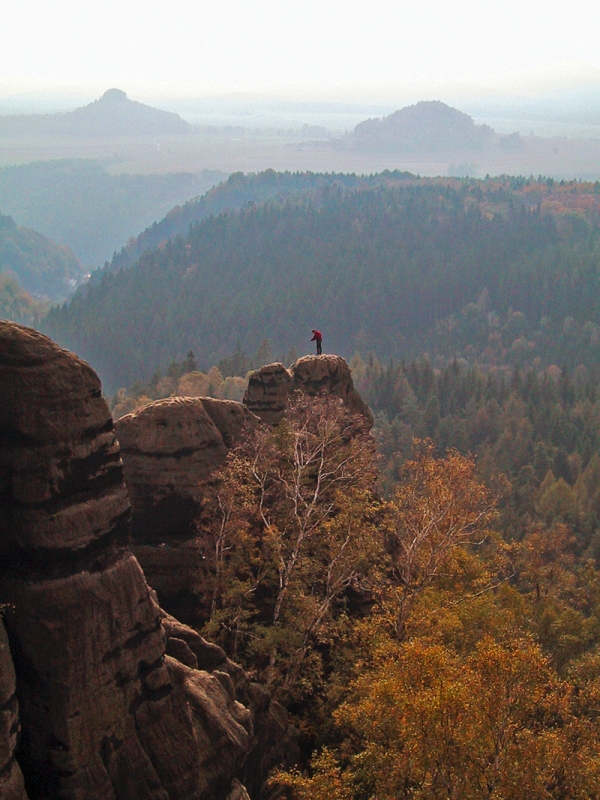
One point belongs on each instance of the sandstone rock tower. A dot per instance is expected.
(171, 449)
(270, 387)
(106, 714)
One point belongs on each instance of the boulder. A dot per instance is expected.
(270, 387)
(106, 713)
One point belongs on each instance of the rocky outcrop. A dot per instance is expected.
(171, 448)
(112, 706)
(171, 451)
(270, 387)
(11, 777)
(275, 741)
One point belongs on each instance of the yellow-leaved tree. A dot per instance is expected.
(438, 517)
(288, 531)
(450, 693)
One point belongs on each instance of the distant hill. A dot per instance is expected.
(376, 267)
(78, 203)
(114, 114)
(46, 270)
(427, 126)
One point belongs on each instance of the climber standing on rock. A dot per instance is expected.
(318, 338)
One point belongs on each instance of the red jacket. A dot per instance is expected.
(317, 336)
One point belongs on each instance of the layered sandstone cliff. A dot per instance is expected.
(171, 450)
(270, 387)
(112, 705)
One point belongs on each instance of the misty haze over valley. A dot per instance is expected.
(93, 176)
(558, 137)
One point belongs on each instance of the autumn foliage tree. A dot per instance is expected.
(426, 722)
(490, 689)
(290, 528)
(439, 512)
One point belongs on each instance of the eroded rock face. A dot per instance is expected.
(59, 461)
(270, 387)
(268, 391)
(275, 742)
(12, 786)
(171, 448)
(105, 714)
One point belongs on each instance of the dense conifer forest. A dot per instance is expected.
(500, 269)
(234, 193)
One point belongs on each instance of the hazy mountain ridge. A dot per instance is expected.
(428, 138)
(427, 125)
(113, 114)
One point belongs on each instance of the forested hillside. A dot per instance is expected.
(79, 203)
(397, 269)
(43, 268)
(16, 305)
(230, 195)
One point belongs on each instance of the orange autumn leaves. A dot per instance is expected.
(466, 699)
(427, 722)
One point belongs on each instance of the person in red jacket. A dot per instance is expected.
(318, 338)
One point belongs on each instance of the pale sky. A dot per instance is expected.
(331, 48)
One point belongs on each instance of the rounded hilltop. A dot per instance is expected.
(113, 96)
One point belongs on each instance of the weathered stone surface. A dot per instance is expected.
(105, 715)
(209, 656)
(59, 460)
(11, 777)
(270, 387)
(171, 449)
(172, 569)
(238, 792)
(274, 741)
(268, 391)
